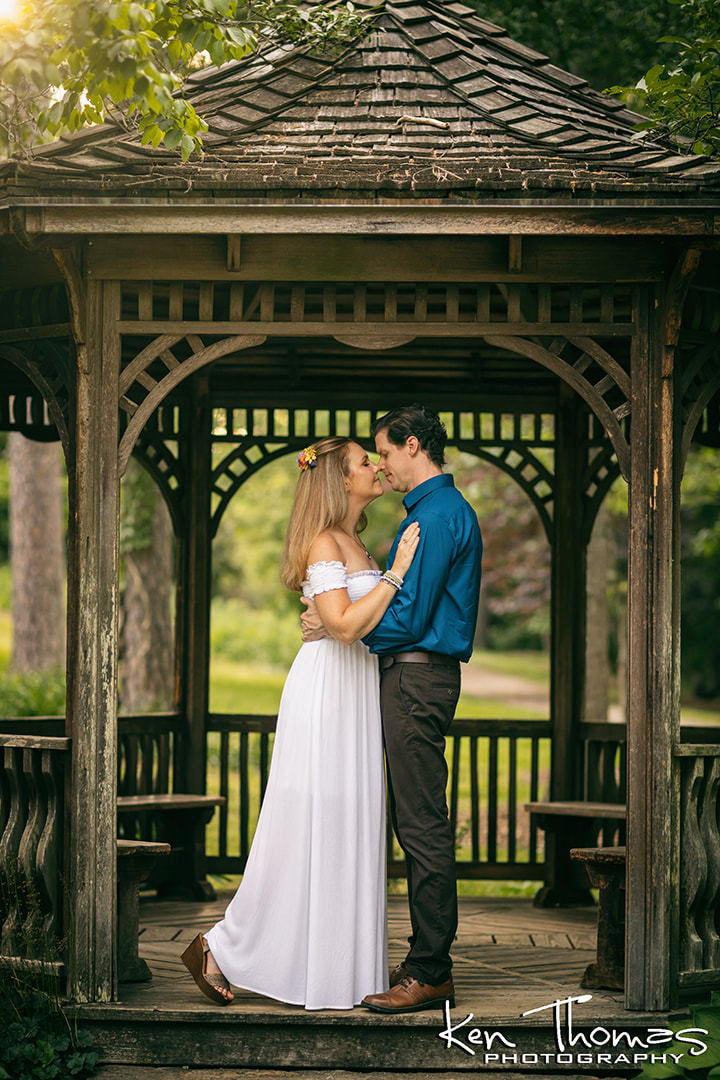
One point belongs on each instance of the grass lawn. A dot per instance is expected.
(5, 639)
(239, 688)
(531, 666)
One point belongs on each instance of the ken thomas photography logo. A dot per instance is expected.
(613, 1046)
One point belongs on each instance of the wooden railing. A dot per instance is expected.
(494, 766)
(32, 782)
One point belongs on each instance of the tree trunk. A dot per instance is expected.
(146, 640)
(37, 554)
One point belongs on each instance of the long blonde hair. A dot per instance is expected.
(320, 503)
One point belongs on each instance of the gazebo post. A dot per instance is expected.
(93, 592)
(653, 666)
(194, 575)
(567, 646)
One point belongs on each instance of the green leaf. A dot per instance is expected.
(188, 146)
(217, 52)
(172, 138)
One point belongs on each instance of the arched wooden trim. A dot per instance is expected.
(250, 468)
(605, 460)
(158, 390)
(593, 395)
(375, 341)
(170, 495)
(607, 362)
(710, 386)
(160, 347)
(41, 382)
(515, 471)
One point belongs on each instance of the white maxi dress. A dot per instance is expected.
(308, 923)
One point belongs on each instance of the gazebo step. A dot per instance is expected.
(359, 1040)
(510, 958)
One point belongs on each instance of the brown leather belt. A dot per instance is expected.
(419, 656)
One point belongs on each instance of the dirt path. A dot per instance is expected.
(510, 689)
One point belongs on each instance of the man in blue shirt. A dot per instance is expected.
(420, 640)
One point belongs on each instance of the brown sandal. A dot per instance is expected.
(195, 960)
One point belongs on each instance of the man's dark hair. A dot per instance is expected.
(424, 424)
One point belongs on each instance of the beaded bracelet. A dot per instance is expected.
(386, 577)
(395, 577)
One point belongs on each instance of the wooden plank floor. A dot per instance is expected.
(508, 954)
(509, 957)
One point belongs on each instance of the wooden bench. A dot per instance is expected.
(606, 870)
(179, 820)
(135, 861)
(571, 824)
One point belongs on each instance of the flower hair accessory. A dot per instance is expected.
(308, 458)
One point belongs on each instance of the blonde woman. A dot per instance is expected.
(307, 925)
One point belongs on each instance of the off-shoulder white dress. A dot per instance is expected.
(308, 924)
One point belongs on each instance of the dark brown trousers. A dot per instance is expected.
(418, 704)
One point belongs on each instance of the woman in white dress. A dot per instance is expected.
(307, 924)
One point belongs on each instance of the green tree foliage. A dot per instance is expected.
(516, 555)
(604, 43)
(682, 97)
(68, 63)
(700, 518)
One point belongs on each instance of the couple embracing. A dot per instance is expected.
(379, 664)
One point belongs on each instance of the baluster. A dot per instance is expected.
(147, 750)
(35, 899)
(163, 762)
(474, 799)
(50, 849)
(9, 866)
(492, 798)
(534, 787)
(264, 762)
(708, 908)
(693, 868)
(593, 784)
(224, 790)
(512, 800)
(244, 795)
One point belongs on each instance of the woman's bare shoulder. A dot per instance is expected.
(325, 548)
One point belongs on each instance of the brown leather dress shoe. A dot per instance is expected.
(398, 974)
(411, 995)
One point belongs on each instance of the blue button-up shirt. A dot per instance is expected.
(437, 607)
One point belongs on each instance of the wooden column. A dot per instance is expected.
(653, 668)
(567, 648)
(197, 546)
(92, 649)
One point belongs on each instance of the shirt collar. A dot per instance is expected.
(426, 488)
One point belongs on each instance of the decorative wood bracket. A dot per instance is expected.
(574, 374)
(158, 388)
(677, 291)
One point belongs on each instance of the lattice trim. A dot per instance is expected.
(45, 364)
(699, 383)
(614, 383)
(157, 448)
(137, 381)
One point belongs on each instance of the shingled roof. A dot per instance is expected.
(434, 103)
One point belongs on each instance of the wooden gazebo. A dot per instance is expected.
(435, 213)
